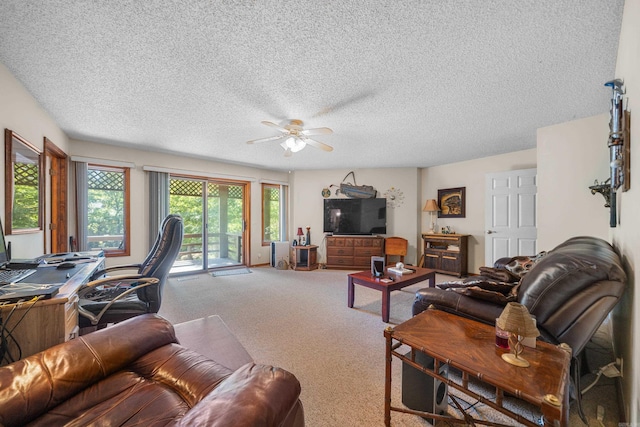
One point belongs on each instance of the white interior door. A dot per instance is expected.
(510, 220)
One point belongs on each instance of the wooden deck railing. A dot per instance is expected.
(227, 245)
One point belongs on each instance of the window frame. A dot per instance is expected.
(282, 217)
(126, 212)
(14, 143)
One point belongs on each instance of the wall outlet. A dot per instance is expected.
(259, 255)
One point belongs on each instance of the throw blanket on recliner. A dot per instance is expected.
(498, 284)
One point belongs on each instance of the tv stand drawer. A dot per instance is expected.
(336, 261)
(339, 251)
(353, 252)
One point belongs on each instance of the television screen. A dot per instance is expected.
(355, 216)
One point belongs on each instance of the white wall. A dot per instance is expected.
(403, 221)
(139, 190)
(21, 113)
(570, 157)
(470, 174)
(626, 236)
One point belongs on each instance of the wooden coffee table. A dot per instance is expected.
(469, 346)
(365, 278)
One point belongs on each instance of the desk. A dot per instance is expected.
(469, 346)
(52, 321)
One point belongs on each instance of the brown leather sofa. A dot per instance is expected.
(570, 290)
(136, 373)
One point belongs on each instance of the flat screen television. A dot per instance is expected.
(355, 216)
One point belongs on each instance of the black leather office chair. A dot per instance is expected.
(111, 299)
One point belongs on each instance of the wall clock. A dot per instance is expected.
(394, 197)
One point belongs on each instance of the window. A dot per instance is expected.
(274, 208)
(23, 185)
(108, 209)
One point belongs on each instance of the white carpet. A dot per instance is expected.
(300, 321)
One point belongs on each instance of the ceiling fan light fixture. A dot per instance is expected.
(294, 137)
(294, 144)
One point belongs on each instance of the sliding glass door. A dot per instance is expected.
(226, 219)
(214, 214)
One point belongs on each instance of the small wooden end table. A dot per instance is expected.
(469, 346)
(365, 278)
(304, 257)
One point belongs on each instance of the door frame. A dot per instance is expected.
(246, 220)
(57, 163)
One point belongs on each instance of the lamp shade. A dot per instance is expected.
(515, 318)
(300, 233)
(431, 206)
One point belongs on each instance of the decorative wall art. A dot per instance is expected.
(451, 202)
(394, 197)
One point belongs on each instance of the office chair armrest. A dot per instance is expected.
(118, 278)
(115, 268)
(141, 283)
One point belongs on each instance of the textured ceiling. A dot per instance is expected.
(411, 83)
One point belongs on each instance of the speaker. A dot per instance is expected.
(279, 252)
(422, 392)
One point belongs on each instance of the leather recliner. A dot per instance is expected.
(135, 373)
(570, 290)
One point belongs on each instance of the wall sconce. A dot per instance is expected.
(603, 188)
(619, 151)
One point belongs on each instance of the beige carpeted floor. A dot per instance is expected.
(300, 321)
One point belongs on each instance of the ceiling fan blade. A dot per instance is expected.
(316, 131)
(318, 144)
(275, 126)
(354, 99)
(271, 138)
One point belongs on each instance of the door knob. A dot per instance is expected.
(490, 231)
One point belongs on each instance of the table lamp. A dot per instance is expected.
(516, 320)
(431, 206)
(299, 233)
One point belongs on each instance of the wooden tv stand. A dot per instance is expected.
(353, 252)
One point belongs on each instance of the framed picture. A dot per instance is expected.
(451, 202)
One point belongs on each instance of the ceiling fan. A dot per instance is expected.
(295, 137)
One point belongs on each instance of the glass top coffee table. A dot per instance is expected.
(389, 282)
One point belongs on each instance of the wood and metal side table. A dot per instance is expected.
(304, 257)
(469, 346)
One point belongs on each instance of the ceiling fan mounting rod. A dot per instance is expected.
(294, 127)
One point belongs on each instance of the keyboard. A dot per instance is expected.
(12, 276)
